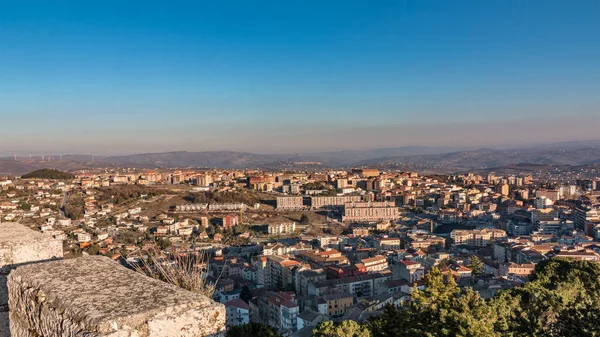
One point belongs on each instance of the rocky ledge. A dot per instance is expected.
(95, 296)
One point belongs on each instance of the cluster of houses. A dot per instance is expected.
(488, 232)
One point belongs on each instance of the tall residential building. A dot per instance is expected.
(550, 194)
(503, 189)
(283, 311)
(542, 202)
(229, 221)
(584, 214)
(370, 211)
(238, 312)
(366, 172)
(290, 203)
(278, 272)
(282, 228)
(204, 180)
(341, 183)
(320, 202)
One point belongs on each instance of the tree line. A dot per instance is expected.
(561, 299)
(47, 173)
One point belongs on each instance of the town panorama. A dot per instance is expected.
(290, 249)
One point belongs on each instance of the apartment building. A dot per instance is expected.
(337, 304)
(409, 271)
(556, 227)
(517, 269)
(374, 264)
(191, 208)
(383, 244)
(580, 255)
(424, 241)
(584, 214)
(323, 257)
(366, 172)
(325, 202)
(361, 285)
(553, 195)
(283, 311)
(477, 237)
(226, 207)
(370, 211)
(278, 272)
(341, 183)
(83, 237)
(360, 231)
(238, 312)
(229, 221)
(307, 276)
(291, 203)
(282, 228)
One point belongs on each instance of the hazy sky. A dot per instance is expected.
(273, 76)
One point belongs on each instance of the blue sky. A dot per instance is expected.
(272, 76)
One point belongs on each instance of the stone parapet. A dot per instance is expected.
(19, 245)
(95, 296)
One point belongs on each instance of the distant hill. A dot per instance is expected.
(418, 158)
(9, 166)
(230, 159)
(223, 159)
(487, 158)
(47, 173)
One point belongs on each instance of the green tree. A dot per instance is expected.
(164, 243)
(252, 330)
(93, 249)
(393, 322)
(439, 310)
(25, 206)
(47, 173)
(476, 265)
(343, 329)
(561, 299)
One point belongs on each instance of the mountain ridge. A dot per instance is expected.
(443, 158)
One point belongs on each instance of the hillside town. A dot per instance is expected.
(294, 249)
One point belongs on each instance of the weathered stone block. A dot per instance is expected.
(20, 244)
(95, 296)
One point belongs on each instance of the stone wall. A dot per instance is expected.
(43, 295)
(95, 296)
(20, 245)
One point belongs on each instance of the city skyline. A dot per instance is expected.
(277, 78)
